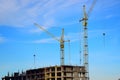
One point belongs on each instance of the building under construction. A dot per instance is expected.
(64, 72)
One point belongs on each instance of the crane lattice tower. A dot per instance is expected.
(85, 44)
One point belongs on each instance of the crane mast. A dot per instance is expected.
(85, 43)
(62, 48)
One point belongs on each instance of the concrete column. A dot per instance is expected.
(55, 72)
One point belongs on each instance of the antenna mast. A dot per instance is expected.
(34, 60)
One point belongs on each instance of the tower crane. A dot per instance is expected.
(61, 40)
(85, 38)
(85, 43)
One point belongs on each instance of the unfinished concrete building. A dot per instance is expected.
(64, 72)
(15, 76)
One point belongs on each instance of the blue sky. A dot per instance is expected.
(20, 39)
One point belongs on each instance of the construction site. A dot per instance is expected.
(62, 71)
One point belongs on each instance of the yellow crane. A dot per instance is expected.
(61, 40)
(85, 37)
(85, 43)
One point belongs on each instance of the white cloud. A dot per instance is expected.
(16, 13)
(109, 16)
(49, 40)
(35, 30)
(2, 39)
(22, 13)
